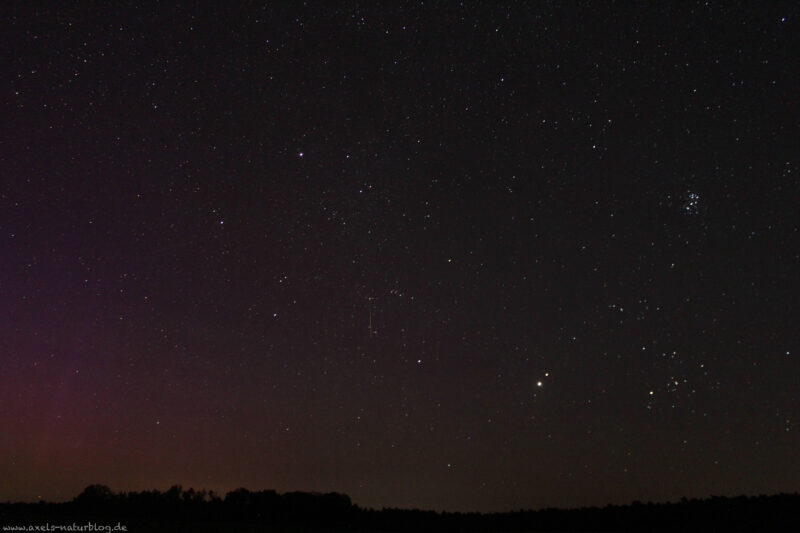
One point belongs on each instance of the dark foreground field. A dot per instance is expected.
(97, 508)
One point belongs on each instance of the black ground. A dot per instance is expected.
(98, 508)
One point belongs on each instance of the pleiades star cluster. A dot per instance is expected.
(462, 256)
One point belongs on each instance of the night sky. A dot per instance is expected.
(437, 255)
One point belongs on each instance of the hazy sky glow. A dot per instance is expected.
(470, 257)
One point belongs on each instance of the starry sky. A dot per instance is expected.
(471, 256)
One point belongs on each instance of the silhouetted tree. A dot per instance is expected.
(95, 495)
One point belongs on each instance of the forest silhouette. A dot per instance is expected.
(177, 509)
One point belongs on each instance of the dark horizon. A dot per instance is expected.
(478, 256)
(179, 509)
(210, 493)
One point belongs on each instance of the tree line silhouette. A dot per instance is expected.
(242, 509)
